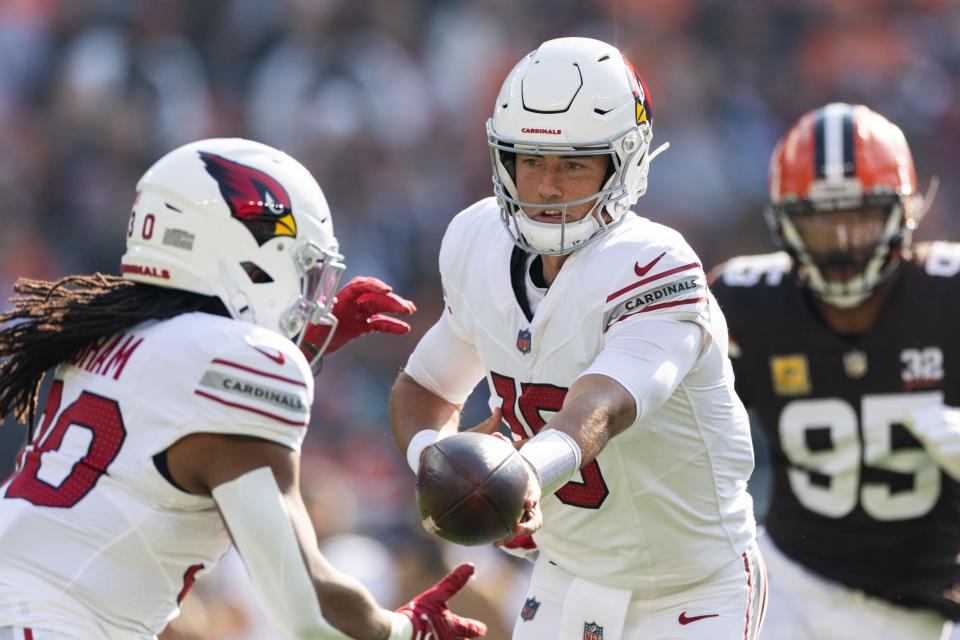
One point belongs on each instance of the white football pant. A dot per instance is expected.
(806, 606)
(19, 633)
(727, 606)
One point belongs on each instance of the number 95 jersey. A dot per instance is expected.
(664, 505)
(95, 542)
(856, 498)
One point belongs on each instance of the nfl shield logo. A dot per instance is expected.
(529, 610)
(592, 631)
(855, 364)
(523, 340)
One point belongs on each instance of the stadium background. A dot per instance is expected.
(385, 101)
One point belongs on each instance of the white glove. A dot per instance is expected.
(937, 427)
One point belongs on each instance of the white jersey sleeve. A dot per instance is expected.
(256, 383)
(444, 363)
(649, 357)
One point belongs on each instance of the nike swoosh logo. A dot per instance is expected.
(642, 271)
(277, 357)
(683, 619)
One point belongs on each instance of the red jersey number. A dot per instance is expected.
(96, 414)
(533, 399)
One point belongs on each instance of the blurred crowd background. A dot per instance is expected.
(385, 101)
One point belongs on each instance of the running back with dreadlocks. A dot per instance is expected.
(52, 321)
(177, 406)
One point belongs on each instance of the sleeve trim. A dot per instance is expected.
(258, 372)
(654, 307)
(643, 281)
(244, 407)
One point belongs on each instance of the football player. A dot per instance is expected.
(844, 351)
(605, 352)
(177, 409)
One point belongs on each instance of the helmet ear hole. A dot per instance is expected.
(256, 274)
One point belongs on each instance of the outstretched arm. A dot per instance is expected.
(639, 368)
(255, 485)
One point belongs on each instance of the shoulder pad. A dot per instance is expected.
(255, 382)
(747, 271)
(653, 275)
(939, 258)
(463, 231)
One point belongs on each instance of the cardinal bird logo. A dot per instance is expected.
(255, 199)
(640, 94)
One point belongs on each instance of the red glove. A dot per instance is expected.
(358, 309)
(521, 547)
(429, 614)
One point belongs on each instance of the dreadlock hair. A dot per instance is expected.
(52, 321)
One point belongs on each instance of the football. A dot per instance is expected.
(471, 488)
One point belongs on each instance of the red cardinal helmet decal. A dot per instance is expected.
(640, 94)
(255, 199)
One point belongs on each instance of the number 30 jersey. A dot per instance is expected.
(94, 541)
(664, 505)
(855, 497)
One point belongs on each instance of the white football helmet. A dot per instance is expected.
(241, 221)
(571, 97)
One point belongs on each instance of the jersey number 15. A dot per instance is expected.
(534, 398)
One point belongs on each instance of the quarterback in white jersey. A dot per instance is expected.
(179, 400)
(606, 355)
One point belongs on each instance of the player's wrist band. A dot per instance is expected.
(554, 455)
(401, 628)
(418, 443)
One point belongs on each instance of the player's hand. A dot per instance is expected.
(521, 547)
(532, 518)
(490, 425)
(429, 614)
(937, 427)
(359, 309)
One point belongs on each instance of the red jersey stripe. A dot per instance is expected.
(654, 307)
(189, 577)
(640, 283)
(746, 625)
(235, 365)
(250, 409)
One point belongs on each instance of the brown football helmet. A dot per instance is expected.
(843, 200)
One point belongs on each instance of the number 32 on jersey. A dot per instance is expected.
(528, 404)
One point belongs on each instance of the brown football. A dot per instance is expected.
(471, 488)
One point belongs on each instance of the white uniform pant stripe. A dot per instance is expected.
(756, 572)
(11, 633)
